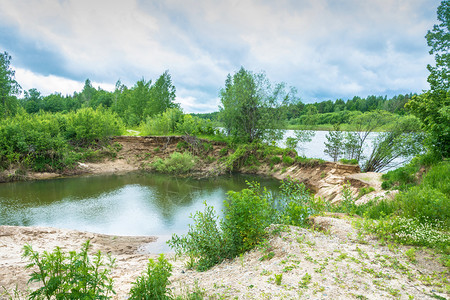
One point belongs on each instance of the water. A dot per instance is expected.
(130, 204)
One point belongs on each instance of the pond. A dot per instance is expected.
(129, 204)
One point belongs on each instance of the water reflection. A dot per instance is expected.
(131, 204)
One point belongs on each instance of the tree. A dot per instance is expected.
(351, 145)
(252, 109)
(403, 140)
(367, 123)
(433, 107)
(8, 87)
(300, 137)
(333, 145)
(144, 99)
(162, 95)
(32, 101)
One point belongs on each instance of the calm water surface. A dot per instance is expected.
(130, 204)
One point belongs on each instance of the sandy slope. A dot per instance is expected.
(340, 266)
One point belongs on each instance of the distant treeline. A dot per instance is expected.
(333, 112)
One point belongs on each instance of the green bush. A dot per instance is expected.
(153, 284)
(245, 218)
(376, 209)
(426, 204)
(87, 126)
(275, 160)
(294, 204)
(438, 177)
(410, 232)
(246, 215)
(365, 190)
(176, 163)
(288, 161)
(70, 276)
(204, 240)
(32, 140)
(349, 161)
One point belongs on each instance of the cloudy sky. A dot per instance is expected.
(326, 49)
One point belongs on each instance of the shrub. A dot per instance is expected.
(203, 241)
(409, 231)
(426, 204)
(376, 209)
(70, 276)
(153, 284)
(287, 160)
(246, 215)
(349, 161)
(365, 190)
(177, 163)
(32, 140)
(87, 126)
(438, 177)
(275, 160)
(223, 151)
(294, 204)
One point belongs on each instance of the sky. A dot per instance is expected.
(326, 49)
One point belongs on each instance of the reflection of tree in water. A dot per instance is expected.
(173, 194)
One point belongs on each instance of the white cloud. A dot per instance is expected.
(325, 48)
(53, 84)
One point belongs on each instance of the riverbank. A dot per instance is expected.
(333, 263)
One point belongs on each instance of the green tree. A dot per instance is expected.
(367, 123)
(162, 95)
(334, 143)
(252, 109)
(433, 107)
(402, 141)
(8, 87)
(300, 137)
(32, 101)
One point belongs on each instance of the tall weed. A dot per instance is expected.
(70, 276)
(153, 284)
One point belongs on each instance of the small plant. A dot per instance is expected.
(411, 254)
(365, 190)
(70, 276)
(153, 284)
(207, 147)
(306, 279)
(223, 151)
(182, 145)
(156, 149)
(278, 278)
